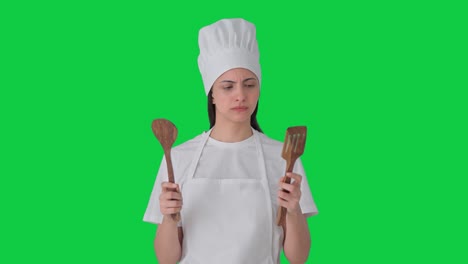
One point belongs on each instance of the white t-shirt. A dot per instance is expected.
(232, 159)
(222, 160)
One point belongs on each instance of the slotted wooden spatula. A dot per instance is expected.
(293, 147)
(166, 133)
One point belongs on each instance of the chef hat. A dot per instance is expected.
(225, 45)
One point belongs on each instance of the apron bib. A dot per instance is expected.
(227, 220)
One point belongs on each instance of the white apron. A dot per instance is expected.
(227, 220)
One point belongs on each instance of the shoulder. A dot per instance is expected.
(271, 148)
(188, 146)
(269, 143)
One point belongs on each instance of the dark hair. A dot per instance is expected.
(212, 114)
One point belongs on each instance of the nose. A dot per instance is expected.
(241, 94)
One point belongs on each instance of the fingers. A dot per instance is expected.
(292, 188)
(289, 194)
(170, 210)
(289, 201)
(295, 186)
(291, 207)
(289, 197)
(170, 200)
(171, 204)
(283, 203)
(169, 186)
(296, 177)
(169, 196)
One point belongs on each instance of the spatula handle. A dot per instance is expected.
(281, 215)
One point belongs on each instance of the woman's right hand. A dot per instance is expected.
(170, 200)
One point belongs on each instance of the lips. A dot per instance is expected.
(240, 108)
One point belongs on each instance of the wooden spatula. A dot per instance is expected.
(166, 133)
(293, 147)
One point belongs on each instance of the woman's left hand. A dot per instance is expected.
(289, 194)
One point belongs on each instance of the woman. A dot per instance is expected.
(230, 178)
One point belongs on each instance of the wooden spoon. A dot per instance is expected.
(166, 133)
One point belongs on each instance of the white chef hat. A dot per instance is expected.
(224, 45)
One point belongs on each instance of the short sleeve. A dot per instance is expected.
(153, 213)
(308, 206)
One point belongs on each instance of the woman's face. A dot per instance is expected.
(235, 95)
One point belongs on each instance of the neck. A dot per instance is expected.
(231, 132)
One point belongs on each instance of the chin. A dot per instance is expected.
(243, 120)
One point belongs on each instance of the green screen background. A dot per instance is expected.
(381, 86)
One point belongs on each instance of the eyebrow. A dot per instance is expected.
(229, 81)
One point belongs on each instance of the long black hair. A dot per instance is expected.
(212, 114)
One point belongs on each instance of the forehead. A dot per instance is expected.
(236, 74)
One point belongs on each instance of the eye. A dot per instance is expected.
(250, 85)
(227, 87)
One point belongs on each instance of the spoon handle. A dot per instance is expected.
(170, 169)
(170, 174)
